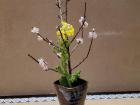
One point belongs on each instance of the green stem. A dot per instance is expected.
(69, 83)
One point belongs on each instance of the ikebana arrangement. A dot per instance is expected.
(71, 89)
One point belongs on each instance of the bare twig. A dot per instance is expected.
(60, 10)
(66, 11)
(63, 13)
(38, 63)
(85, 10)
(85, 56)
(33, 58)
(81, 27)
(51, 69)
(82, 35)
(47, 40)
(69, 61)
(74, 48)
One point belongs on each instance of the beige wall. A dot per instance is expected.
(114, 62)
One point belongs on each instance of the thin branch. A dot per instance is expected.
(38, 63)
(66, 11)
(85, 56)
(33, 58)
(85, 10)
(60, 10)
(69, 61)
(82, 35)
(57, 4)
(81, 27)
(74, 48)
(51, 69)
(63, 13)
(47, 40)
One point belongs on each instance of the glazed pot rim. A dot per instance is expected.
(70, 88)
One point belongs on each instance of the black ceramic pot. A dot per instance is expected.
(72, 96)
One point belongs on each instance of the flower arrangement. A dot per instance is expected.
(66, 35)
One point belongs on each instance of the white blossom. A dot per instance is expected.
(43, 64)
(80, 40)
(39, 38)
(35, 30)
(85, 24)
(93, 29)
(59, 54)
(50, 41)
(81, 20)
(92, 35)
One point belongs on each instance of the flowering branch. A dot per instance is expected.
(35, 30)
(47, 40)
(38, 63)
(78, 32)
(85, 19)
(85, 56)
(79, 41)
(83, 23)
(91, 35)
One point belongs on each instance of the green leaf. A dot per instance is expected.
(75, 76)
(63, 81)
(60, 70)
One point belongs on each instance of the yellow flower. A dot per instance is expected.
(66, 30)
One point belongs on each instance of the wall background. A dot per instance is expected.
(114, 62)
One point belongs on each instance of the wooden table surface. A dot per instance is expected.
(129, 101)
